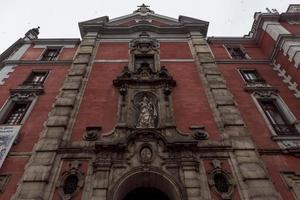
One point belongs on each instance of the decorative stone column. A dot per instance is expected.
(253, 180)
(40, 173)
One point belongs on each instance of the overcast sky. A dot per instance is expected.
(59, 18)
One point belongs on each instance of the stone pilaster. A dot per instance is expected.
(39, 176)
(252, 178)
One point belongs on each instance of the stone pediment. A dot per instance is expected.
(144, 18)
(99, 20)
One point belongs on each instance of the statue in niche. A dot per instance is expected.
(147, 114)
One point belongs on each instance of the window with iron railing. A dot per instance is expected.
(16, 113)
(51, 53)
(251, 76)
(36, 78)
(277, 118)
(237, 52)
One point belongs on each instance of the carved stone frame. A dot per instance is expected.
(74, 170)
(29, 98)
(218, 170)
(271, 95)
(144, 45)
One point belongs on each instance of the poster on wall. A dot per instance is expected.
(8, 135)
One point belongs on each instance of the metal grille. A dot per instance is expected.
(251, 76)
(236, 52)
(51, 54)
(277, 118)
(70, 184)
(16, 114)
(36, 78)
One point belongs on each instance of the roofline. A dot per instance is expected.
(56, 40)
(184, 28)
(11, 49)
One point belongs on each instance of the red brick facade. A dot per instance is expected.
(81, 137)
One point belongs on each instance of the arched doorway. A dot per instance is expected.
(146, 194)
(150, 185)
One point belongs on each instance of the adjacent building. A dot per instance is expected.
(145, 106)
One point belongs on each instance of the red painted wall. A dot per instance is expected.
(175, 50)
(99, 104)
(292, 28)
(266, 43)
(251, 49)
(30, 132)
(14, 167)
(281, 163)
(288, 66)
(36, 53)
(246, 105)
(190, 103)
(32, 128)
(83, 167)
(226, 168)
(112, 50)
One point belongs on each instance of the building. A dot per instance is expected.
(145, 106)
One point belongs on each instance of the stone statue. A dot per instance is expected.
(147, 114)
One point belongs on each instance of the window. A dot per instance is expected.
(141, 60)
(3, 181)
(16, 113)
(70, 185)
(237, 53)
(251, 76)
(276, 117)
(51, 53)
(36, 78)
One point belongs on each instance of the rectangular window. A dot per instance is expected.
(276, 117)
(51, 53)
(251, 76)
(16, 113)
(237, 53)
(36, 78)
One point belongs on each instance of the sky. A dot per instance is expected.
(59, 18)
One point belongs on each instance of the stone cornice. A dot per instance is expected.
(60, 41)
(37, 62)
(107, 29)
(243, 61)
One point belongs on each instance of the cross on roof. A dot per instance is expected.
(143, 6)
(143, 9)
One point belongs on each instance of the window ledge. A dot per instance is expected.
(286, 137)
(36, 89)
(259, 86)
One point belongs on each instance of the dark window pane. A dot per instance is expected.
(236, 52)
(144, 60)
(36, 78)
(277, 118)
(251, 75)
(16, 114)
(70, 184)
(51, 54)
(221, 183)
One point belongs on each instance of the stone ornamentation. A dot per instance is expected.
(71, 181)
(146, 154)
(92, 133)
(221, 181)
(144, 43)
(199, 132)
